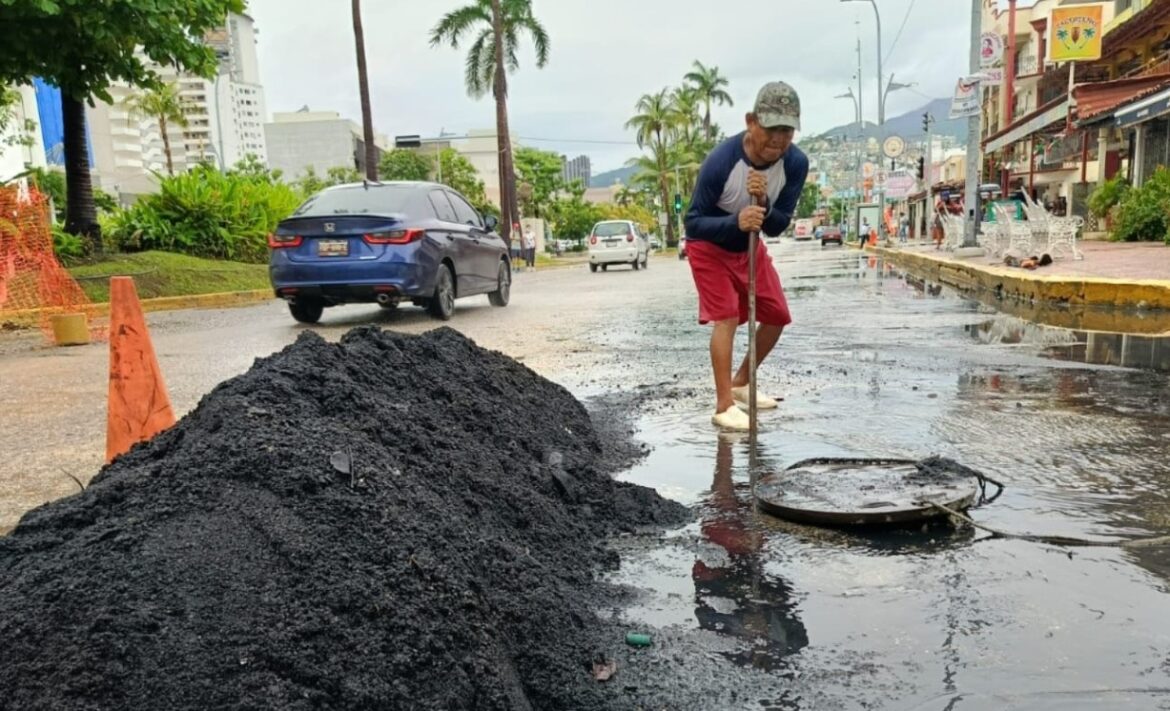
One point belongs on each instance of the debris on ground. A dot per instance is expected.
(390, 521)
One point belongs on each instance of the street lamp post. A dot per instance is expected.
(881, 188)
(857, 119)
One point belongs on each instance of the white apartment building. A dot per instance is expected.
(225, 117)
(21, 155)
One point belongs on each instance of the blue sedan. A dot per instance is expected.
(386, 243)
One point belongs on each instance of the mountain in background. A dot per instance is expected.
(608, 178)
(909, 124)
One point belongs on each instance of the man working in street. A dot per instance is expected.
(750, 182)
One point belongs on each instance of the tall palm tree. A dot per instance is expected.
(653, 124)
(710, 86)
(164, 105)
(497, 25)
(684, 106)
(359, 38)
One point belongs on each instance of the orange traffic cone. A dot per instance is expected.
(138, 404)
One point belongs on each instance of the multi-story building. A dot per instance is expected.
(320, 140)
(225, 118)
(1057, 136)
(579, 168)
(21, 149)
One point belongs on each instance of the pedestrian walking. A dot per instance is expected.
(863, 232)
(903, 228)
(529, 250)
(750, 182)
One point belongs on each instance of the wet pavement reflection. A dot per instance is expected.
(1075, 421)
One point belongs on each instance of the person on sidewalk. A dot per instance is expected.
(750, 182)
(863, 232)
(529, 250)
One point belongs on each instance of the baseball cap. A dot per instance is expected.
(777, 105)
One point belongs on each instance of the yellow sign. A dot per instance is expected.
(1074, 33)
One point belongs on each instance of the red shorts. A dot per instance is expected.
(721, 278)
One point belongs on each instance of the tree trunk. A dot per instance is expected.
(508, 205)
(707, 122)
(364, 88)
(162, 127)
(80, 212)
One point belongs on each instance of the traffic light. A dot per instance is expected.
(926, 122)
(921, 168)
(678, 203)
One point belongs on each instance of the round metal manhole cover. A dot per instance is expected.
(863, 492)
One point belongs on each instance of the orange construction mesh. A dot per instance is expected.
(33, 284)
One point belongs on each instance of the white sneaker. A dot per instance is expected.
(763, 402)
(732, 418)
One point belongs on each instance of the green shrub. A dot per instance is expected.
(1143, 214)
(205, 213)
(68, 248)
(1107, 195)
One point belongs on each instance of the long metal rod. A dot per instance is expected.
(753, 428)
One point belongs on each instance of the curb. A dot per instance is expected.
(1070, 290)
(220, 300)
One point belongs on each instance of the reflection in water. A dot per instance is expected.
(733, 595)
(1119, 349)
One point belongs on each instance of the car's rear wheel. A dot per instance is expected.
(604, 267)
(637, 263)
(646, 261)
(503, 291)
(442, 302)
(306, 310)
(593, 268)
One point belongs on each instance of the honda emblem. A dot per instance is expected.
(330, 226)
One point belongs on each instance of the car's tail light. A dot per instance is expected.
(284, 241)
(394, 237)
(630, 236)
(592, 239)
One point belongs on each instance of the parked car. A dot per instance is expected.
(617, 242)
(386, 243)
(803, 229)
(655, 244)
(830, 234)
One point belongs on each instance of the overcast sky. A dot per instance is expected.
(604, 55)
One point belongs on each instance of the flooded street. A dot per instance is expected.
(879, 365)
(747, 611)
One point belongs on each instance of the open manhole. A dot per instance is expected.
(867, 492)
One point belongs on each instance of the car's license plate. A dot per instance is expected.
(332, 248)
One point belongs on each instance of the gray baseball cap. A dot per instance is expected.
(777, 105)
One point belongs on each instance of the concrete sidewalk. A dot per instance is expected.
(1112, 274)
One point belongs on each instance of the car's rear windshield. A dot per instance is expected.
(609, 229)
(358, 200)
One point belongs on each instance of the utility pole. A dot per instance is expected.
(970, 243)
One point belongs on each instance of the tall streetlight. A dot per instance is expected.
(857, 119)
(878, 18)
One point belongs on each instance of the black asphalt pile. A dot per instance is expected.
(232, 563)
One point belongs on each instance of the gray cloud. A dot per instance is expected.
(605, 54)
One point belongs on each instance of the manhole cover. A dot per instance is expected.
(863, 492)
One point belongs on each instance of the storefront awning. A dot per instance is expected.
(1026, 128)
(1143, 110)
(1099, 101)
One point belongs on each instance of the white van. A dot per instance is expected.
(803, 229)
(617, 242)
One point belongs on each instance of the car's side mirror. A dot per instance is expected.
(491, 222)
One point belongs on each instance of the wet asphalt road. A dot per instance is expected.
(749, 612)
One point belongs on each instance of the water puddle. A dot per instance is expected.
(877, 364)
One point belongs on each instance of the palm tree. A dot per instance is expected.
(710, 86)
(359, 38)
(654, 124)
(164, 105)
(497, 25)
(684, 107)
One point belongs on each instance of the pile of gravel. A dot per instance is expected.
(231, 563)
